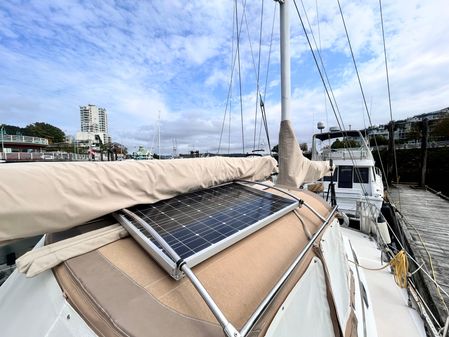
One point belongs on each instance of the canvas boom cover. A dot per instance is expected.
(39, 198)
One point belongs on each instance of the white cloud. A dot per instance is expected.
(174, 57)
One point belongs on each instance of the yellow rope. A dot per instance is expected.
(399, 264)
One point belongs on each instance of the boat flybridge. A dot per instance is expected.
(355, 177)
(192, 247)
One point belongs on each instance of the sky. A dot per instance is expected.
(167, 65)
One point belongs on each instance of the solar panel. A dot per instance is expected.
(200, 224)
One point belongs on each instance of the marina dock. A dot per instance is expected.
(424, 218)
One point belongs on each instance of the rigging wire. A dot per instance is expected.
(399, 264)
(333, 102)
(426, 273)
(234, 61)
(268, 69)
(335, 109)
(264, 118)
(255, 69)
(319, 49)
(361, 89)
(430, 259)
(317, 65)
(249, 40)
(357, 172)
(426, 306)
(433, 277)
(440, 289)
(437, 285)
(229, 124)
(228, 100)
(240, 77)
(419, 267)
(322, 65)
(258, 76)
(388, 88)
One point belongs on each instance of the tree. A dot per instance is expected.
(275, 149)
(12, 129)
(303, 147)
(441, 129)
(346, 143)
(44, 130)
(380, 140)
(415, 132)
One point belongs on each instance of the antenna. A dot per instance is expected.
(320, 126)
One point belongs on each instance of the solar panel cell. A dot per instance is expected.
(210, 220)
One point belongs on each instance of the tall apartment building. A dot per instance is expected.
(94, 122)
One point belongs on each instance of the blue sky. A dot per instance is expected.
(141, 58)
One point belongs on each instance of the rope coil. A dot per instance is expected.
(399, 265)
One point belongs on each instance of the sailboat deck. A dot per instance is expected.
(387, 301)
(426, 226)
(122, 281)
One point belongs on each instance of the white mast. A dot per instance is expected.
(286, 135)
(285, 59)
(294, 168)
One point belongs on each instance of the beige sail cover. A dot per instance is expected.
(294, 168)
(38, 198)
(46, 257)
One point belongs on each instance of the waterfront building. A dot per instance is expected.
(94, 125)
(408, 130)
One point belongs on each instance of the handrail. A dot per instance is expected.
(272, 294)
(23, 139)
(228, 328)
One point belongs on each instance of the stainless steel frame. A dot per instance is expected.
(167, 263)
(177, 267)
(162, 259)
(272, 294)
(236, 237)
(228, 328)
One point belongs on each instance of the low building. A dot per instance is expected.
(19, 143)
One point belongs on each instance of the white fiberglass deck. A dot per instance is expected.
(393, 317)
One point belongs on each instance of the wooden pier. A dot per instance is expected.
(424, 219)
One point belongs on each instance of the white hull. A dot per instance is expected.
(347, 203)
(47, 312)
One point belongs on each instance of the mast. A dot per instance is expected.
(287, 139)
(294, 168)
(285, 59)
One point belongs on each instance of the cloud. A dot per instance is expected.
(138, 59)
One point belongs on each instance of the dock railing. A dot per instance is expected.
(23, 139)
(42, 156)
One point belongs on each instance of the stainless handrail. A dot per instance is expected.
(271, 295)
(228, 328)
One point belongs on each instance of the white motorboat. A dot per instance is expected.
(355, 176)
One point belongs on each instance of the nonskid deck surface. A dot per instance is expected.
(393, 317)
(236, 278)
